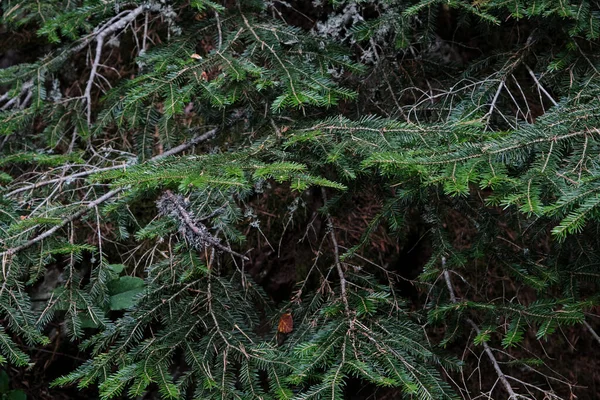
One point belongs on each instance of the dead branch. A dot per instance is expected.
(539, 85)
(113, 27)
(198, 233)
(336, 253)
(486, 347)
(592, 331)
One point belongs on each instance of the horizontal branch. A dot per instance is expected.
(175, 150)
(485, 149)
(64, 222)
(184, 146)
(71, 177)
(178, 149)
(539, 85)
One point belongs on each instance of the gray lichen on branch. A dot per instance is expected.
(191, 227)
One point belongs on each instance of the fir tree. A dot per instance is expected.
(139, 137)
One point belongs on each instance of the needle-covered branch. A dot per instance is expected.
(107, 196)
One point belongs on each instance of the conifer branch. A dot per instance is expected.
(200, 235)
(454, 144)
(276, 56)
(68, 178)
(106, 196)
(65, 221)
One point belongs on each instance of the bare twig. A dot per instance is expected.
(494, 100)
(145, 37)
(528, 116)
(115, 26)
(539, 85)
(336, 253)
(486, 347)
(16, 102)
(220, 42)
(592, 331)
(184, 146)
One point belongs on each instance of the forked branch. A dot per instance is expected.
(103, 33)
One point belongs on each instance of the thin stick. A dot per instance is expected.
(592, 331)
(220, 43)
(336, 253)
(184, 146)
(539, 85)
(494, 100)
(145, 37)
(486, 347)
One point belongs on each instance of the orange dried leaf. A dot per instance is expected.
(286, 323)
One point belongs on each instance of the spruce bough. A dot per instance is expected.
(183, 143)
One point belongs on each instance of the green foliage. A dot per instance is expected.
(6, 393)
(143, 144)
